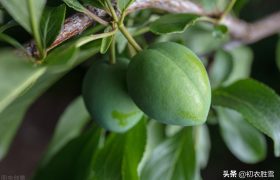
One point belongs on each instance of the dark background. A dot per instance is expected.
(38, 125)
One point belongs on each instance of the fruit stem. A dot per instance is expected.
(129, 38)
(112, 10)
(141, 31)
(90, 38)
(209, 19)
(36, 33)
(121, 26)
(227, 10)
(96, 18)
(113, 50)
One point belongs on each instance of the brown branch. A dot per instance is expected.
(253, 32)
(241, 31)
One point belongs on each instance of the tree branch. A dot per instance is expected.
(240, 31)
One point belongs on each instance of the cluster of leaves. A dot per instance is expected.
(243, 108)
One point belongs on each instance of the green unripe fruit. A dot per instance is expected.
(106, 98)
(169, 83)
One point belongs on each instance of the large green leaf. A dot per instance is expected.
(121, 155)
(62, 59)
(258, 104)
(175, 158)
(243, 140)
(173, 23)
(28, 14)
(25, 12)
(75, 156)
(17, 76)
(11, 116)
(199, 38)
(51, 23)
(69, 126)
(21, 75)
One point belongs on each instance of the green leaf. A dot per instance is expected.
(70, 125)
(278, 54)
(203, 145)
(25, 12)
(11, 41)
(243, 140)
(242, 62)
(106, 42)
(51, 23)
(175, 158)
(257, 103)
(221, 68)
(124, 4)
(7, 26)
(95, 3)
(21, 75)
(173, 23)
(28, 14)
(67, 163)
(121, 42)
(155, 135)
(119, 158)
(199, 38)
(220, 31)
(9, 120)
(75, 4)
(61, 59)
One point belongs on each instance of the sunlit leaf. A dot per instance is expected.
(203, 145)
(121, 155)
(257, 103)
(243, 140)
(175, 158)
(242, 63)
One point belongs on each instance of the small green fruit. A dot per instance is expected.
(106, 98)
(169, 83)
